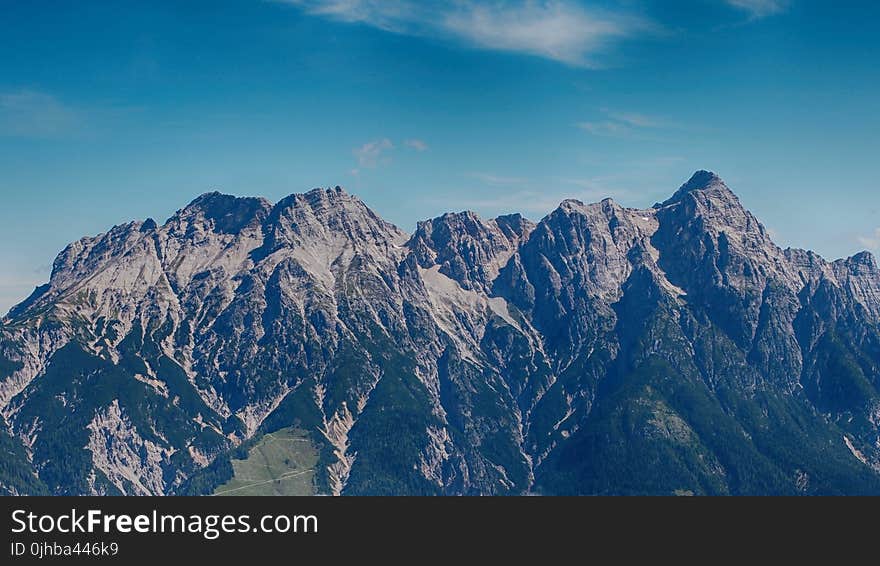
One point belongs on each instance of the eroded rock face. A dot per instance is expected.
(132, 464)
(603, 350)
(468, 249)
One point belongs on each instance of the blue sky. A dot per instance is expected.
(111, 111)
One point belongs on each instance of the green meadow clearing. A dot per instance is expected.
(281, 463)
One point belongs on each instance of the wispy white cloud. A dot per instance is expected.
(372, 154)
(497, 180)
(871, 242)
(416, 144)
(605, 128)
(760, 8)
(623, 123)
(554, 30)
(34, 114)
(559, 30)
(375, 153)
(637, 120)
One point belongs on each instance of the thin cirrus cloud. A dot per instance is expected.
(373, 153)
(623, 124)
(871, 242)
(760, 8)
(376, 153)
(33, 114)
(605, 128)
(416, 144)
(636, 120)
(497, 180)
(558, 30)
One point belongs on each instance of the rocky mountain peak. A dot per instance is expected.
(860, 276)
(329, 195)
(706, 190)
(467, 248)
(515, 225)
(329, 214)
(864, 260)
(87, 255)
(570, 204)
(224, 213)
(321, 198)
(701, 180)
(479, 356)
(706, 204)
(607, 207)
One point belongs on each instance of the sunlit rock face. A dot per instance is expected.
(603, 350)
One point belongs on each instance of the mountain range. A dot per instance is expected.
(603, 350)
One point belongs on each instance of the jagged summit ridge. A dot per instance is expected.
(467, 248)
(475, 356)
(218, 228)
(702, 182)
(225, 213)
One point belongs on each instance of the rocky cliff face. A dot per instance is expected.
(603, 350)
